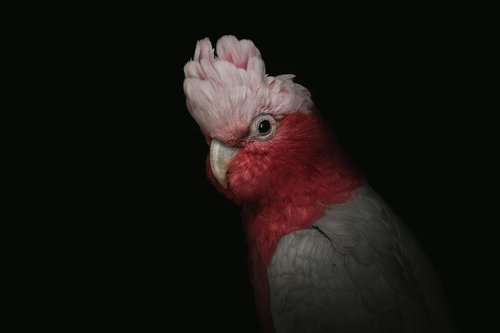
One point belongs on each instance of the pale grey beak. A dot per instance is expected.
(220, 157)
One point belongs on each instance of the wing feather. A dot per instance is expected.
(355, 270)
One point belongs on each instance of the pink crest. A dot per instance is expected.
(231, 88)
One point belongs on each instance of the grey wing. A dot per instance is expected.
(356, 270)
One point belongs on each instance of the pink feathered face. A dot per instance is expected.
(227, 91)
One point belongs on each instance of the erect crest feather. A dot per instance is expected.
(231, 88)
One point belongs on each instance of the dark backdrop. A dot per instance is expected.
(167, 249)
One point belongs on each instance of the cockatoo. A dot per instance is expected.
(326, 253)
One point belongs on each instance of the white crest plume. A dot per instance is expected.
(231, 88)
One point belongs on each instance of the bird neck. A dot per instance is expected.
(315, 176)
(294, 206)
(298, 198)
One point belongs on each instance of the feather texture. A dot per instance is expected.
(355, 270)
(228, 90)
(326, 255)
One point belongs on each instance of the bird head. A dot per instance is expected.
(264, 133)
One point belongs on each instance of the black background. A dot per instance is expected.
(157, 245)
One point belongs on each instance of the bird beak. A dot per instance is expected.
(220, 157)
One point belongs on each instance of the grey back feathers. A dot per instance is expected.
(357, 269)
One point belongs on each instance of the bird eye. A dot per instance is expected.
(263, 127)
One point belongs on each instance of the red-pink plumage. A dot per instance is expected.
(326, 253)
(281, 193)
